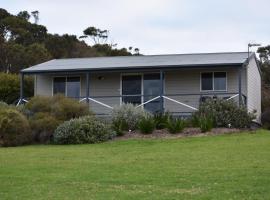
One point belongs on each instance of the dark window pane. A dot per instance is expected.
(59, 85)
(220, 80)
(131, 85)
(151, 86)
(73, 87)
(207, 81)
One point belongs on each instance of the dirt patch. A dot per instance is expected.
(186, 133)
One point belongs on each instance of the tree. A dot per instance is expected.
(24, 15)
(35, 14)
(99, 36)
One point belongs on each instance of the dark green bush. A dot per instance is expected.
(175, 125)
(225, 113)
(119, 126)
(205, 123)
(146, 125)
(46, 113)
(10, 87)
(82, 130)
(265, 119)
(43, 126)
(161, 120)
(14, 128)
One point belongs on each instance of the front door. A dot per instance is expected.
(151, 89)
(132, 86)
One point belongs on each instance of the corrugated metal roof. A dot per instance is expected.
(151, 61)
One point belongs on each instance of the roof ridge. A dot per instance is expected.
(132, 56)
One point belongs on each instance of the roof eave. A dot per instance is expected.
(132, 68)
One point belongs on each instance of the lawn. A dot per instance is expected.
(233, 166)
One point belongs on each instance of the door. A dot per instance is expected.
(132, 85)
(151, 89)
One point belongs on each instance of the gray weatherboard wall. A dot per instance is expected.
(185, 81)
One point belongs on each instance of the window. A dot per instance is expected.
(131, 85)
(142, 88)
(73, 87)
(68, 86)
(151, 89)
(213, 81)
(59, 85)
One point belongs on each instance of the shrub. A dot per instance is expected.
(14, 128)
(146, 125)
(225, 112)
(161, 120)
(46, 113)
(59, 106)
(10, 87)
(3, 104)
(175, 125)
(265, 119)
(127, 116)
(82, 130)
(43, 126)
(205, 123)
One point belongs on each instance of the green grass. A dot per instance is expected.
(233, 166)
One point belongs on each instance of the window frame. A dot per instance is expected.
(213, 81)
(66, 84)
(142, 84)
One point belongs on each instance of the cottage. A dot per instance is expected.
(174, 83)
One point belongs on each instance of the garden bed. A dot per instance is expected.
(186, 133)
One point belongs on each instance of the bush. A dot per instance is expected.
(175, 125)
(225, 113)
(14, 128)
(81, 130)
(43, 126)
(10, 87)
(126, 117)
(3, 105)
(161, 120)
(265, 119)
(46, 113)
(59, 106)
(146, 125)
(205, 123)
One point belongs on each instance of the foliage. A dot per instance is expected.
(265, 119)
(127, 116)
(82, 130)
(43, 126)
(10, 87)
(161, 120)
(46, 113)
(225, 113)
(146, 125)
(59, 106)
(175, 125)
(205, 123)
(23, 43)
(14, 128)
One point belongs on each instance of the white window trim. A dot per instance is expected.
(66, 84)
(213, 82)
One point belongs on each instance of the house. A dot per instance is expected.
(175, 83)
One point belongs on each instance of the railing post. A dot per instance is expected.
(161, 91)
(240, 85)
(87, 87)
(21, 85)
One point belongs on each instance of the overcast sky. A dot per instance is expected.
(159, 26)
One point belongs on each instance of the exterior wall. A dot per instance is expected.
(253, 88)
(188, 82)
(106, 84)
(175, 82)
(43, 85)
